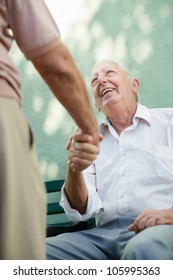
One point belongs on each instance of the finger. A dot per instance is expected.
(90, 154)
(80, 154)
(100, 137)
(68, 145)
(69, 141)
(83, 155)
(131, 227)
(82, 137)
(79, 161)
(142, 215)
(142, 223)
(135, 229)
(151, 222)
(86, 147)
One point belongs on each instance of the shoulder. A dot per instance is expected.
(167, 112)
(38, 37)
(162, 115)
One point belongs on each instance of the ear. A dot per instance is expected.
(135, 85)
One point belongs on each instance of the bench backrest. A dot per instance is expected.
(57, 221)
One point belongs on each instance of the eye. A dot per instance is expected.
(110, 73)
(94, 81)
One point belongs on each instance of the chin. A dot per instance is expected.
(111, 101)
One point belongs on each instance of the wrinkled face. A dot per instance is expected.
(112, 85)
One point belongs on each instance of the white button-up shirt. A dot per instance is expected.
(133, 171)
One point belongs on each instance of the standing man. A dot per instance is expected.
(22, 194)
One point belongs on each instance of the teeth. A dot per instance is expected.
(105, 91)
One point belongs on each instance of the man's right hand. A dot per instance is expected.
(82, 150)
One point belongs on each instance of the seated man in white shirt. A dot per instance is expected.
(129, 186)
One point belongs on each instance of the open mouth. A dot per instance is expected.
(107, 90)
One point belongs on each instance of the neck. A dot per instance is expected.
(122, 118)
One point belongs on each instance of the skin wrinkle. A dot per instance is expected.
(119, 106)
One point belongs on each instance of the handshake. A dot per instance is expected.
(83, 149)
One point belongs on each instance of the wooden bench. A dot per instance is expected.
(57, 221)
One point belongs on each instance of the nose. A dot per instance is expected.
(101, 78)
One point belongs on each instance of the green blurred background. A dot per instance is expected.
(137, 33)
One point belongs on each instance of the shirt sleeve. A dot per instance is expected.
(33, 27)
(94, 203)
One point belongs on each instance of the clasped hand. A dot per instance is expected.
(82, 150)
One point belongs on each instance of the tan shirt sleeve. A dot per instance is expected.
(33, 27)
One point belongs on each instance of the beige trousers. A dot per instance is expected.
(22, 193)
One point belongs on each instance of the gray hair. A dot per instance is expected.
(120, 66)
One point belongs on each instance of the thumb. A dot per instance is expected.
(100, 137)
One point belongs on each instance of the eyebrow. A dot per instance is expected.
(95, 75)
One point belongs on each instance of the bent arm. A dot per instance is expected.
(81, 154)
(59, 71)
(80, 198)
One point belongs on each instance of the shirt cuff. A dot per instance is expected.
(73, 214)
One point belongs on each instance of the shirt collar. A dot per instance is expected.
(142, 112)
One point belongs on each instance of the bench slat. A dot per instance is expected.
(54, 186)
(57, 226)
(54, 208)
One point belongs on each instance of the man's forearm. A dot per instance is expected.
(76, 190)
(61, 74)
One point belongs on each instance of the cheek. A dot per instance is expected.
(98, 103)
(97, 99)
(96, 95)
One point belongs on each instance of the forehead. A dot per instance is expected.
(103, 66)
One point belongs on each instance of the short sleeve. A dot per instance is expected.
(34, 29)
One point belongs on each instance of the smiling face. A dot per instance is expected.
(113, 85)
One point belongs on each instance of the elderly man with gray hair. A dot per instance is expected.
(129, 186)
